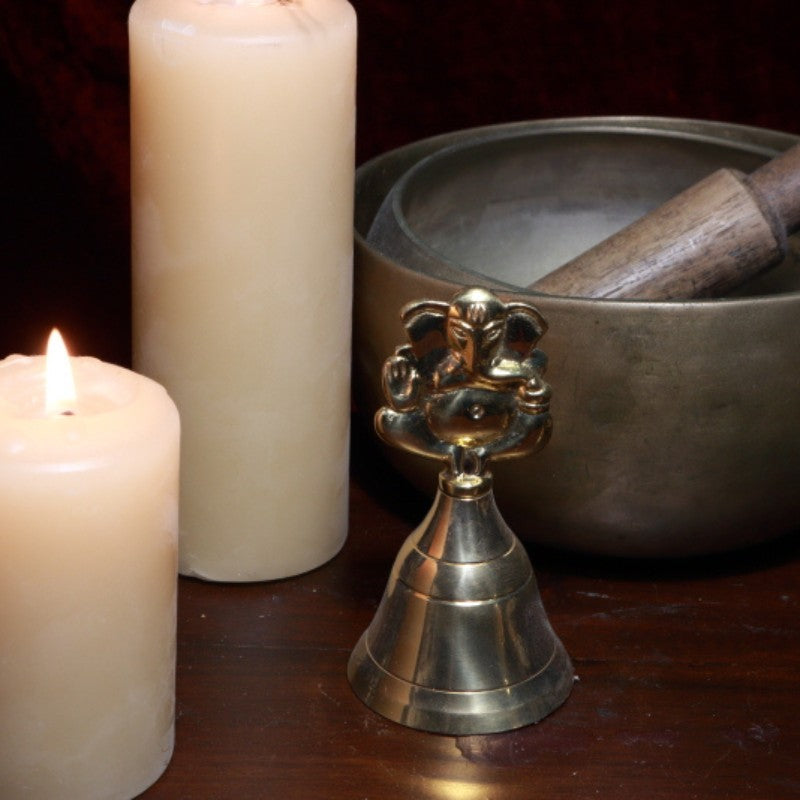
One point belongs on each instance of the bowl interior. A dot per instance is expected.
(513, 207)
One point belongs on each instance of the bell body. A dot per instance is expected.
(461, 643)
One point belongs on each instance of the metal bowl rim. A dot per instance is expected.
(762, 141)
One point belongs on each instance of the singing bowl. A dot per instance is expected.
(676, 423)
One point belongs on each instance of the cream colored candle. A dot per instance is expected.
(242, 132)
(88, 558)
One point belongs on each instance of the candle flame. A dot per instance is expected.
(60, 394)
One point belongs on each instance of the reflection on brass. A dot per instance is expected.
(461, 643)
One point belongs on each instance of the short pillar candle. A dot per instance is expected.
(88, 583)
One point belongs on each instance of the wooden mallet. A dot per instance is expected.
(704, 242)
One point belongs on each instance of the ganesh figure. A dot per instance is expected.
(468, 386)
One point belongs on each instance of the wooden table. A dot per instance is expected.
(687, 680)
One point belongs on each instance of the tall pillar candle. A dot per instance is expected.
(242, 134)
(88, 583)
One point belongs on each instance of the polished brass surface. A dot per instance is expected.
(678, 422)
(461, 643)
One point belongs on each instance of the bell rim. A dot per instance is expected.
(460, 712)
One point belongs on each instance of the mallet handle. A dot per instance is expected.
(703, 242)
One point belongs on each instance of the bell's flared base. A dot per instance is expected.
(461, 713)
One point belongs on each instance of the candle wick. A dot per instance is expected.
(66, 413)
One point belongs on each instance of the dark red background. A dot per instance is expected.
(424, 68)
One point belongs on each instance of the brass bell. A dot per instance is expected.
(461, 643)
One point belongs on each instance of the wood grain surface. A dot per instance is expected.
(687, 680)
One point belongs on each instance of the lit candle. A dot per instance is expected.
(242, 135)
(88, 557)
